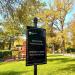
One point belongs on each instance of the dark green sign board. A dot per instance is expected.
(36, 46)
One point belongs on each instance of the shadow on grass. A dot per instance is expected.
(62, 60)
(14, 73)
(70, 67)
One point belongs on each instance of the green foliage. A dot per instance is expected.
(15, 53)
(69, 50)
(4, 54)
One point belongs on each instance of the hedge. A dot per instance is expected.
(70, 50)
(4, 54)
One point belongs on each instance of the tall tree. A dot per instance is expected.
(18, 14)
(63, 7)
(72, 33)
(55, 17)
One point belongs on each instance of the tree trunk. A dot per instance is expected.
(53, 49)
(10, 45)
(63, 45)
(3, 45)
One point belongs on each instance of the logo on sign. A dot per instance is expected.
(32, 33)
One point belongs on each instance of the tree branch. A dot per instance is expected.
(57, 27)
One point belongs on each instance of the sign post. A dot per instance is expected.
(35, 65)
(36, 46)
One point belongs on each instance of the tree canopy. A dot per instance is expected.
(17, 14)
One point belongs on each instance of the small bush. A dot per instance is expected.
(69, 50)
(4, 54)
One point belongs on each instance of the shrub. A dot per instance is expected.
(4, 54)
(70, 50)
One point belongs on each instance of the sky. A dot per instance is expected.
(0, 17)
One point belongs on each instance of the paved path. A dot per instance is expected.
(71, 55)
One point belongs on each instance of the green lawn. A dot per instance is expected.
(56, 65)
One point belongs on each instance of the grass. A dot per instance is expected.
(56, 65)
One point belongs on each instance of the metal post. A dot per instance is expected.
(35, 65)
(35, 22)
(35, 69)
